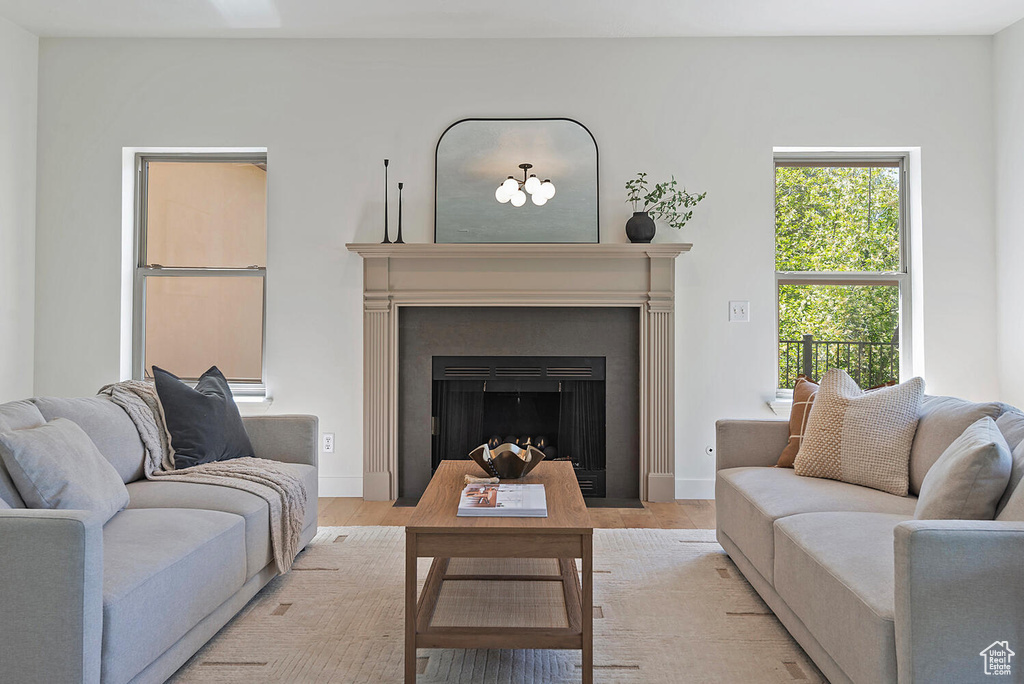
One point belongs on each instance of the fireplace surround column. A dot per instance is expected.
(541, 275)
(657, 388)
(380, 478)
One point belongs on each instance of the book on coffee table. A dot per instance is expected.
(504, 501)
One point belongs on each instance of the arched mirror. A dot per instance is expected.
(516, 181)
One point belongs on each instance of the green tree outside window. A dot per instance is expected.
(839, 219)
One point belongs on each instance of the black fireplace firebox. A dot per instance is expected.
(554, 403)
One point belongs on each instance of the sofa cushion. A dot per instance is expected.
(1013, 509)
(191, 495)
(943, 419)
(749, 501)
(861, 437)
(252, 508)
(16, 415)
(204, 422)
(164, 570)
(969, 478)
(107, 425)
(57, 466)
(1011, 424)
(310, 480)
(836, 573)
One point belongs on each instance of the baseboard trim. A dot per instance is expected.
(690, 488)
(341, 486)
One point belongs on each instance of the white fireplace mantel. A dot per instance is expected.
(605, 274)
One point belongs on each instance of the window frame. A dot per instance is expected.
(142, 270)
(902, 278)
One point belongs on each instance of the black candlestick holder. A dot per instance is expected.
(399, 240)
(385, 241)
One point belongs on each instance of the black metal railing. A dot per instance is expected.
(869, 363)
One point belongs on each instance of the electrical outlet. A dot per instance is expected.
(739, 312)
(328, 442)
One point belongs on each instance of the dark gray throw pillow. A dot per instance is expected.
(204, 422)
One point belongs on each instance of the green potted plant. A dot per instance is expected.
(666, 201)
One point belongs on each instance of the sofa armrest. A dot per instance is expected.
(288, 438)
(749, 442)
(959, 588)
(51, 596)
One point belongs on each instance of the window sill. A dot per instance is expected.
(243, 393)
(782, 405)
(253, 399)
(251, 394)
(253, 404)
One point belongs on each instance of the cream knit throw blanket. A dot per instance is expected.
(270, 480)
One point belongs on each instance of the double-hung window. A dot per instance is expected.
(842, 266)
(201, 251)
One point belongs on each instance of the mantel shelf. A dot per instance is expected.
(534, 250)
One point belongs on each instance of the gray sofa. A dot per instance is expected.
(132, 600)
(872, 595)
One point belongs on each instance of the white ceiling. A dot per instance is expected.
(509, 18)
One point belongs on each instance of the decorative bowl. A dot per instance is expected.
(507, 461)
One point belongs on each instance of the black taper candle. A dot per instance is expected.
(385, 241)
(399, 240)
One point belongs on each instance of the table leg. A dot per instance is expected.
(410, 607)
(587, 581)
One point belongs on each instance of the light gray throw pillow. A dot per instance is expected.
(942, 420)
(56, 465)
(4, 505)
(969, 478)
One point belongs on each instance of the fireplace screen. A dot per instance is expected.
(556, 404)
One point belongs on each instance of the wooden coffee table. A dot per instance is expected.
(500, 582)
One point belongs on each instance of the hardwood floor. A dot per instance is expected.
(681, 514)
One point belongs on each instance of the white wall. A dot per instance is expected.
(709, 111)
(19, 61)
(1009, 102)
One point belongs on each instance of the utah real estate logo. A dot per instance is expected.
(998, 657)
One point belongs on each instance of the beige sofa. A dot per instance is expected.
(872, 595)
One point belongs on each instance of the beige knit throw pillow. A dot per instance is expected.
(861, 437)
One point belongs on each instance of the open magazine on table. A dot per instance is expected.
(504, 501)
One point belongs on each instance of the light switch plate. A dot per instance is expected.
(739, 312)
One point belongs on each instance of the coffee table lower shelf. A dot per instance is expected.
(494, 603)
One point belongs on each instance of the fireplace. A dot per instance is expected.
(525, 356)
(635, 280)
(554, 403)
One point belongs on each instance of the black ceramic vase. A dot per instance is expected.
(640, 228)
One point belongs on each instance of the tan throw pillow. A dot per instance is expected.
(803, 398)
(861, 437)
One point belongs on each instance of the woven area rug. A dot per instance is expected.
(669, 607)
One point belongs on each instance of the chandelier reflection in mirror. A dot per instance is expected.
(512, 190)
